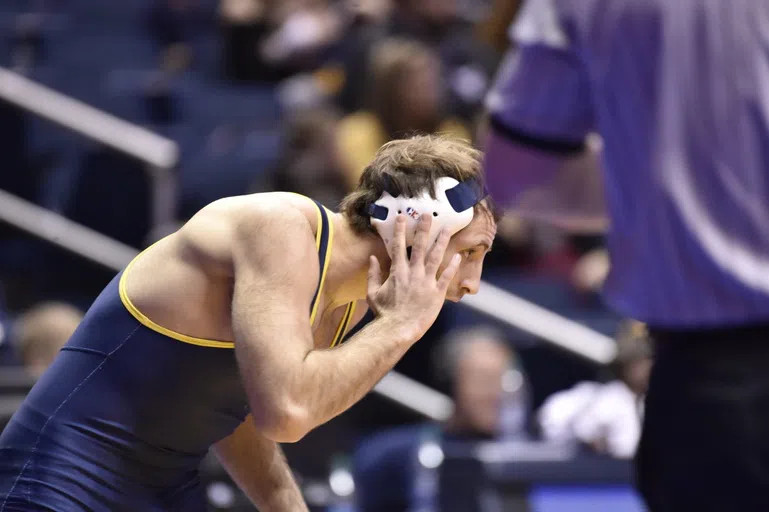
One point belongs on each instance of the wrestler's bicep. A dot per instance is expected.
(275, 274)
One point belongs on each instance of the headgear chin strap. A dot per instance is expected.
(452, 208)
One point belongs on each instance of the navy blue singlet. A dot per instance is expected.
(125, 414)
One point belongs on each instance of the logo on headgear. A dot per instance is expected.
(411, 212)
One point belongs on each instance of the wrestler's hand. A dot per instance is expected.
(414, 292)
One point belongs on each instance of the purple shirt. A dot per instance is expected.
(679, 92)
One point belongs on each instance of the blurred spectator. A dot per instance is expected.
(606, 417)
(493, 28)
(514, 246)
(304, 29)
(309, 162)
(270, 40)
(485, 379)
(467, 63)
(591, 271)
(173, 26)
(243, 24)
(489, 390)
(176, 59)
(405, 97)
(367, 12)
(42, 331)
(28, 42)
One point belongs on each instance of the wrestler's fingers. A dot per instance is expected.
(398, 256)
(421, 239)
(374, 276)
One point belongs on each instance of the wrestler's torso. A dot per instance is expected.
(128, 409)
(185, 282)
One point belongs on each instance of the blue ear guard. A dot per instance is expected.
(452, 208)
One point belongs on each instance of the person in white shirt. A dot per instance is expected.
(604, 416)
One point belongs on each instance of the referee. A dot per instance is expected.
(679, 92)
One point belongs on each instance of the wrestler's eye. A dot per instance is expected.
(435, 214)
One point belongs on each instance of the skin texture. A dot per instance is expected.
(244, 269)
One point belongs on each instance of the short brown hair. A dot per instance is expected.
(394, 60)
(411, 166)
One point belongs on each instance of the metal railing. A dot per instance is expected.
(158, 153)
(161, 155)
(546, 325)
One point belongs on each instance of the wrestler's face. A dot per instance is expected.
(472, 243)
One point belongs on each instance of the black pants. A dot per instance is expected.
(705, 441)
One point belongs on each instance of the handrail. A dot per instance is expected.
(60, 231)
(159, 153)
(555, 329)
(410, 394)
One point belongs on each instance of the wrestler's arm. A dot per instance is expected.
(259, 468)
(292, 387)
(257, 464)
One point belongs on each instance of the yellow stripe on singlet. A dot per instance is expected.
(142, 318)
(319, 231)
(328, 249)
(342, 329)
(203, 342)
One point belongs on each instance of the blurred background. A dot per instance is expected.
(119, 120)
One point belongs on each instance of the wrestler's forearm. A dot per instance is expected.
(332, 381)
(259, 468)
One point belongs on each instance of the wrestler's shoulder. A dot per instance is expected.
(269, 217)
(254, 209)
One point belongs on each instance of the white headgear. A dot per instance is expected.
(452, 208)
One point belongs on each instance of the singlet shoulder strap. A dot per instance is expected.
(144, 320)
(324, 239)
(349, 312)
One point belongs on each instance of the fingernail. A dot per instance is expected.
(457, 257)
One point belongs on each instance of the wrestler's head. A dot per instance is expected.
(413, 168)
